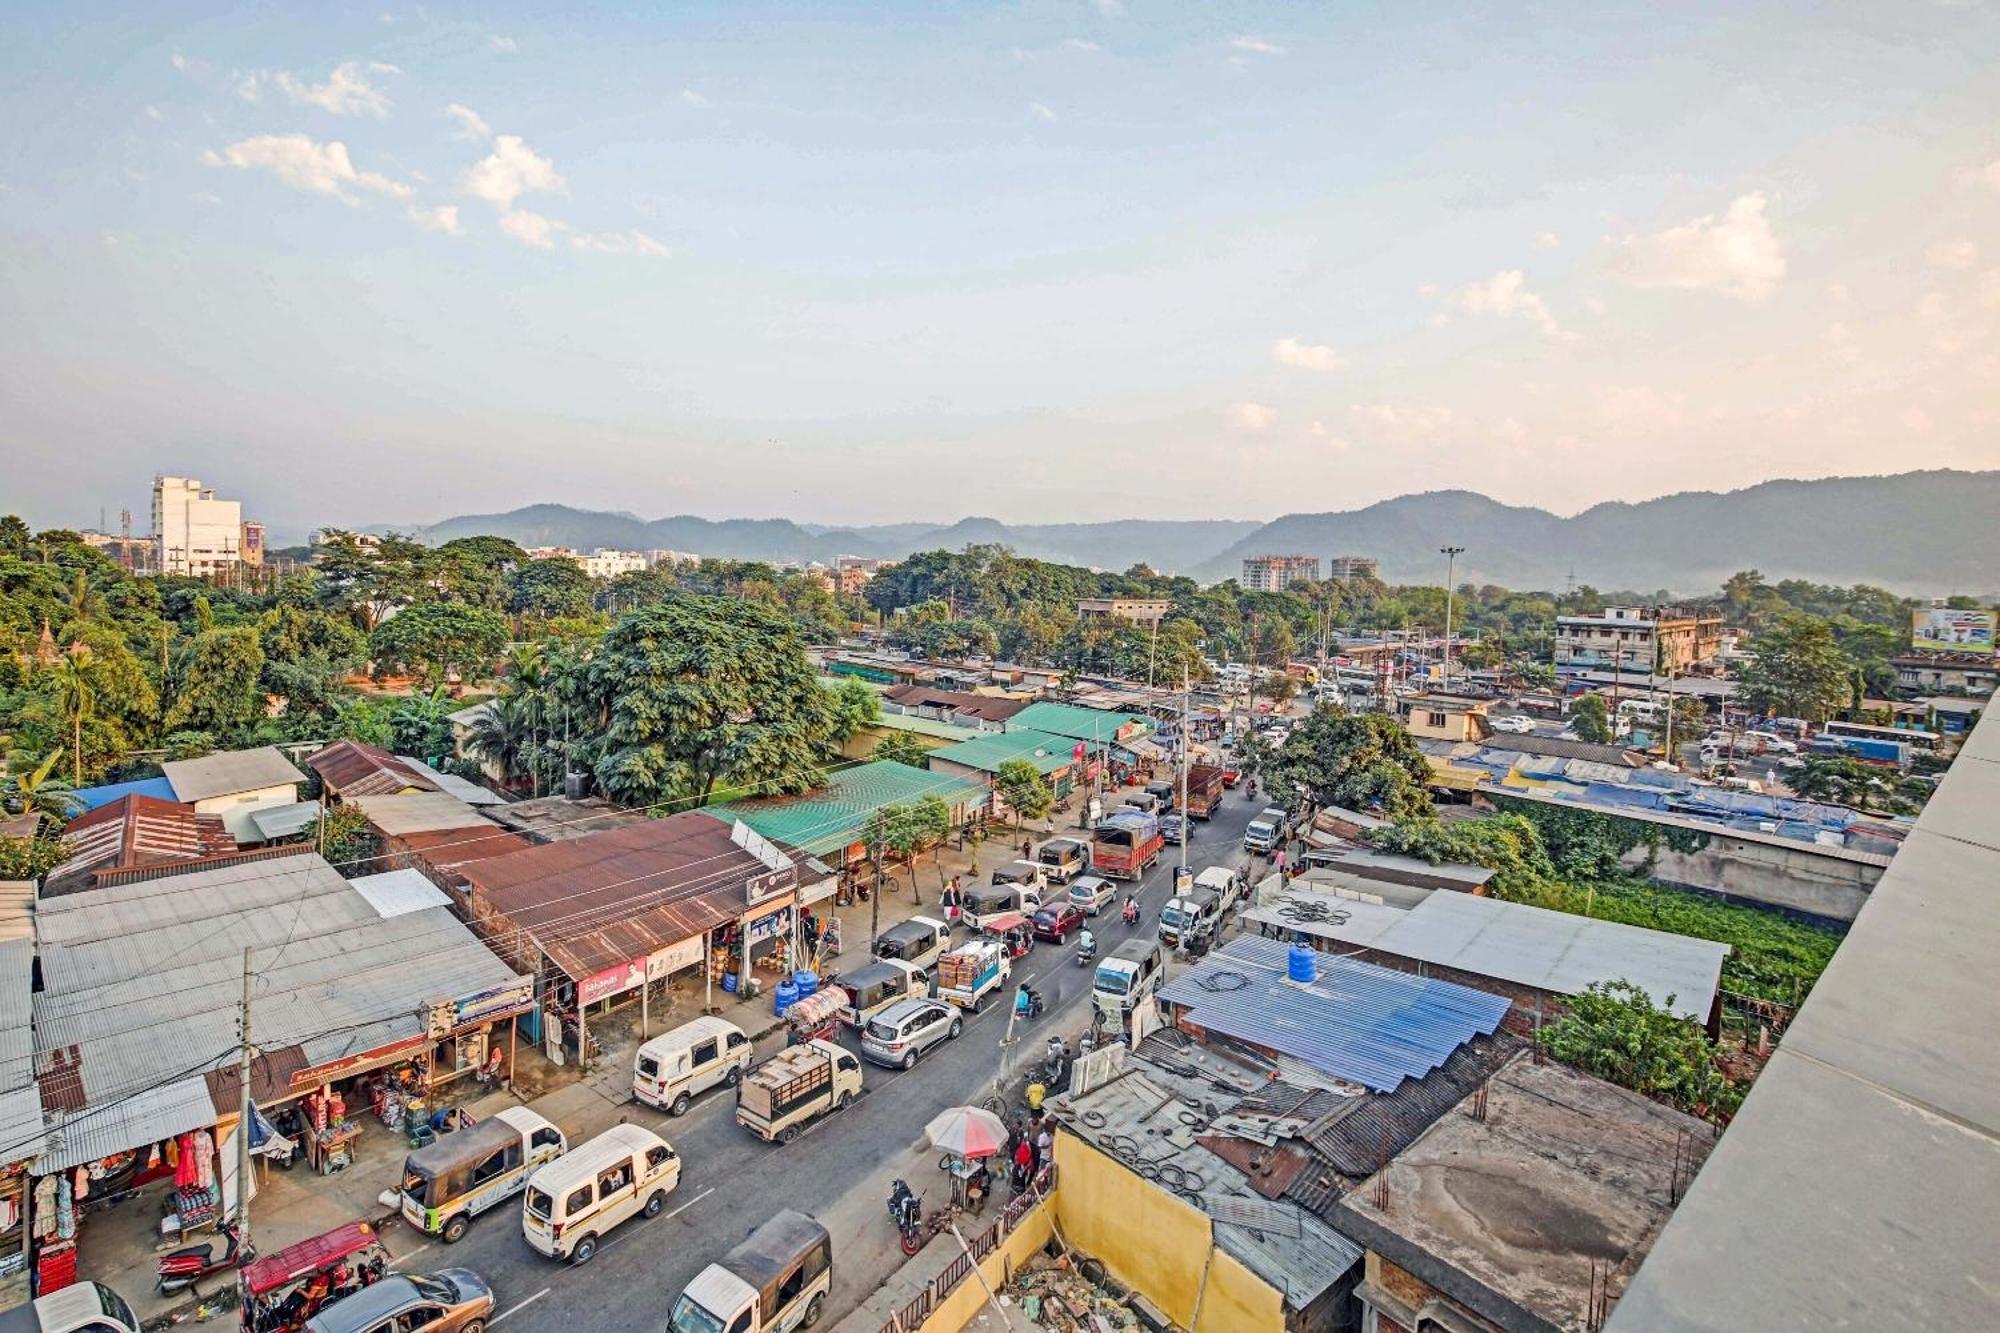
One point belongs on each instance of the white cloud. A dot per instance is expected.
(620, 243)
(1839, 339)
(1506, 294)
(346, 92)
(1838, 293)
(1416, 419)
(1111, 9)
(1079, 44)
(1986, 177)
(1252, 416)
(693, 98)
(179, 62)
(1510, 430)
(511, 170)
(531, 229)
(1738, 255)
(443, 218)
(1547, 240)
(303, 164)
(204, 197)
(497, 42)
(1255, 46)
(1989, 288)
(1637, 408)
(1040, 112)
(153, 113)
(1932, 309)
(1915, 420)
(472, 127)
(1958, 254)
(1305, 356)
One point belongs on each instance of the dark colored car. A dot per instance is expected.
(1173, 828)
(1056, 922)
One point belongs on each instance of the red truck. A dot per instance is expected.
(1204, 789)
(1125, 845)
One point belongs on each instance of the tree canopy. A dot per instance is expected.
(1356, 760)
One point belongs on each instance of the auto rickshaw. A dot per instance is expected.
(1013, 930)
(282, 1291)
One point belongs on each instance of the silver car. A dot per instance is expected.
(908, 1028)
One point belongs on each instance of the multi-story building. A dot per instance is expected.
(1274, 573)
(1145, 612)
(551, 553)
(250, 545)
(659, 557)
(193, 532)
(609, 563)
(1353, 567)
(1638, 638)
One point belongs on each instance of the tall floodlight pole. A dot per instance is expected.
(1451, 555)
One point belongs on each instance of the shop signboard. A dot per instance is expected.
(509, 997)
(773, 923)
(1941, 629)
(667, 961)
(360, 1061)
(770, 884)
(613, 980)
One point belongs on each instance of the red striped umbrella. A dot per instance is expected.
(968, 1131)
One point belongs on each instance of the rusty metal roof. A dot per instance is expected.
(136, 831)
(349, 768)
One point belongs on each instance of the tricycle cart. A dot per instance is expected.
(282, 1291)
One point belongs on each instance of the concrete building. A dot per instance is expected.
(193, 532)
(609, 563)
(1958, 673)
(1354, 567)
(1639, 638)
(1275, 573)
(1145, 612)
(661, 556)
(235, 785)
(250, 546)
(1444, 717)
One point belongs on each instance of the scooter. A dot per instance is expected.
(1086, 953)
(181, 1269)
(1131, 912)
(906, 1210)
(1034, 1006)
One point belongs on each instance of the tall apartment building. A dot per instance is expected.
(1353, 567)
(193, 532)
(1274, 573)
(1638, 639)
(609, 563)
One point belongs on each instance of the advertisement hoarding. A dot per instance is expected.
(1937, 629)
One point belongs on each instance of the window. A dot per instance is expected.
(1435, 719)
(815, 1264)
(549, 1137)
(789, 1289)
(849, 1064)
(658, 1157)
(578, 1200)
(493, 1166)
(742, 1324)
(421, 1317)
(613, 1179)
(737, 1040)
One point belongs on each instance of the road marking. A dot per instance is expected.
(414, 1253)
(516, 1309)
(691, 1202)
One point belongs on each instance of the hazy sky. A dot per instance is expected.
(1043, 261)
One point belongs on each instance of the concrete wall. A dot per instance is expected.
(1797, 879)
(968, 1298)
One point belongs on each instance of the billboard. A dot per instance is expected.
(1942, 630)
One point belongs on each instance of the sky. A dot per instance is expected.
(1057, 260)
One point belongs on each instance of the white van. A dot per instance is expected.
(676, 1067)
(1134, 971)
(81, 1307)
(775, 1280)
(572, 1201)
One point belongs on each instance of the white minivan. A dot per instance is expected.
(571, 1202)
(676, 1067)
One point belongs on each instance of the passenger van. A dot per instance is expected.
(1025, 874)
(675, 1067)
(1190, 916)
(919, 941)
(982, 902)
(1134, 971)
(776, 1280)
(879, 985)
(572, 1201)
(81, 1307)
(466, 1172)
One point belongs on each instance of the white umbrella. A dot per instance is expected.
(967, 1131)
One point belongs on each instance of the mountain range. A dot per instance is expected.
(1915, 533)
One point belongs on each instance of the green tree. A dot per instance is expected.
(217, 686)
(907, 829)
(344, 837)
(550, 589)
(1797, 670)
(1025, 790)
(1614, 1031)
(76, 696)
(853, 706)
(1508, 845)
(902, 747)
(1590, 719)
(40, 790)
(702, 690)
(420, 725)
(1356, 760)
(31, 858)
(502, 734)
(438, 641)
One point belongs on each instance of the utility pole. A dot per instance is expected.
(1451, 555)
(243, 1125)
(1187, 820)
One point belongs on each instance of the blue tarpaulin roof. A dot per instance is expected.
(1356, 1021)
(93, 797)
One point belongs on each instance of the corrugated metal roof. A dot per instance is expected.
(447, 848)
(21, 1134)
(17, 984)
(349, 768)
(403, 813)
(146, 1117)
(1557, 951)
(282, 821)
(91, 797)
(1356, 1021)
(1079, 724)
(399, 892)
(229, 772)
(133, 831)
(469, 792)
(835, 815)
(924, 726)
(1045, 750)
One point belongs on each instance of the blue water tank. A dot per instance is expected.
(1302, 964)
(788, 995)
(807, 982)
(729, 982)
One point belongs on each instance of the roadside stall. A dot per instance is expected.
(816, 1017)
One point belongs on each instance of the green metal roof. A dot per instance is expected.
(991, 749)
(1083, 724)
(924, 726)
(833, 816)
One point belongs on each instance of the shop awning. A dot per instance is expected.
(121, 1126)
(20, 1125)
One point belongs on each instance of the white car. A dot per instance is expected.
(1771, 741)
(1519, 726)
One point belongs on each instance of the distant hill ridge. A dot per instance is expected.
(1917, 532)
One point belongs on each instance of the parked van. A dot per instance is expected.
(1134, 971)
(775, 1280)
(797, 1084)
(879, 985)
(1063, 859)
(572, 1201)
(675, 1067)
(1225, 883)
(917, 941)
(452, 1300)
(465, 1172)
(81, 1307)
(1191, 916)
(1264, 833)
(1163, 794)
(983, 902)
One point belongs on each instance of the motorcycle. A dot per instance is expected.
(1131, 912)
(1053, 1061)
(1086, 953)
(1250, 789)
(179, 1270)
(906, 1210)
(1033, 1008)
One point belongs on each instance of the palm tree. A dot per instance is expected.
(501, 733)
(76, 695)
(39, 790)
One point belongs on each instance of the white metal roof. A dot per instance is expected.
(229, 772)
(399, 892)
(1325, 916)
(127, 1122)
(17, 984)
(282, 821)
(469, 792)
(20, 1124)
(1556, 951)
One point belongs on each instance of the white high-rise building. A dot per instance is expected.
(194, 532)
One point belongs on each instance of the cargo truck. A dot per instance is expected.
(967, 975)
(1204, 790)
(1125, 845)
(798, 1084)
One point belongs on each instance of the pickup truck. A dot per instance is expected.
(798, 1084)
(1204, 789)
(1125, 845)
(1266, 832)
(966, 976)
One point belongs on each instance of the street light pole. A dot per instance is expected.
(1451, 555)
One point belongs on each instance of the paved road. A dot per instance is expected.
(839, 1170)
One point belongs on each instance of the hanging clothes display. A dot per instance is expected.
(65, 1209)
(185, 1167)
(204, 1147)
(80, 1184)
(45, 1208)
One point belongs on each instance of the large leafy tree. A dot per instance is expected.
(217, 684)
(421, 725)
(1590, 719)
(438, 641)
(902, 747)
(852, 706)
(701, 691)
(1614, 1031)
(1797, 669)
(1025, 790)
(907, 829)
(1357, 760)
(550, 589)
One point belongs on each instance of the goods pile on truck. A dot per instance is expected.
(1125, 845)
(1204, 790)
(794, 1086)
(968, 975)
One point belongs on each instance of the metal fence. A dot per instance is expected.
(977, 1246)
